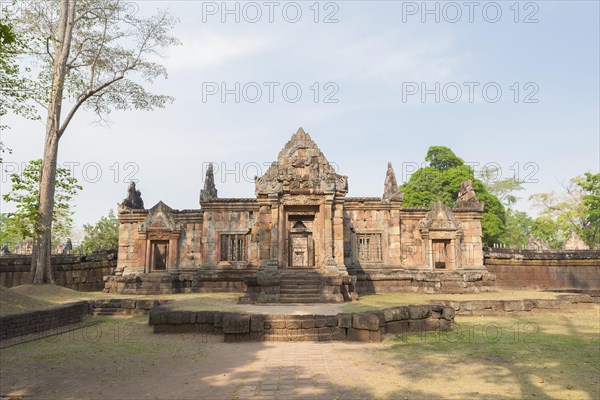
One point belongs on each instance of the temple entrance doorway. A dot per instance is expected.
(441, 254)
(301, 245)
(159, 254)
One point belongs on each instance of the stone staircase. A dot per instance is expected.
(300, 286)
(106, 311)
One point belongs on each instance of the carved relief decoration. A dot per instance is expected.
(160, 219)
(301, 166)
(440, 217)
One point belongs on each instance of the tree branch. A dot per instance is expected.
(82, 100)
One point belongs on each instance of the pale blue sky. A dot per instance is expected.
(371, 55)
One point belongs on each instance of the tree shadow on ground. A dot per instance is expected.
(126, 360)
(547, 356)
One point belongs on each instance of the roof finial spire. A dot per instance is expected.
(390, 186)
(210, 191)
(134, 198)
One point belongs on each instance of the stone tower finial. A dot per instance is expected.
(134, 198)
(390, 186)
(467, 197)
(210, 191)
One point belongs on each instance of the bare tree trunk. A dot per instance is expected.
(42, 244)
(41, 269)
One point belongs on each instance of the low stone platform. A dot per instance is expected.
(365, 327)
(496, 307)
(179, 281)
(375, 281)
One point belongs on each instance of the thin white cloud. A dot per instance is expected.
(209, 50)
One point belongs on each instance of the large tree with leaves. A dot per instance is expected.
(15, 87)
(575, 209)
(103, 235)
(441, 180)
(590, 232)
(98, 52)
(24, 194)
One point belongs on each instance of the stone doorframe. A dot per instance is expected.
(290, 230)
(159, 225)
(440, 225)
(150, 238)
(301, 246)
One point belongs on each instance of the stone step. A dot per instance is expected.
(315, 287)
(299, 338)
(300, 286)
(299, 291)
(316, 276)
(298, 279)
(298, 299)
(107, 311)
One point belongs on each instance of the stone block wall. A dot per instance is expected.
(38, 321)
(364, 327)
(217, 280)
(83, 273)
(371, 215)
(496, 307)
(125, 306)
(406, 281)
(529, 269)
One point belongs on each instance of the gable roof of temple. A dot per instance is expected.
(301, 167)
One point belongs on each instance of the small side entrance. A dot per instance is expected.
(440, 254)
(160, 255)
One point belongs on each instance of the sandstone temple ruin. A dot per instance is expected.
(301, 239)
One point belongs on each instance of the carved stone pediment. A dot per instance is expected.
(160, 218)
(440, 217)
(301, 166)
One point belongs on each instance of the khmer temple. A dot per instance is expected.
(301, 239)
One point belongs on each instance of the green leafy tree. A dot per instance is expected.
(8, 236)
(24, 194)
(103, 235)
(549, 230)
(442, 158)
(560, 214)
(590, 230)
(501, 188)
(15, 88)
(98, 52)
(518, 228)
(441, 180)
